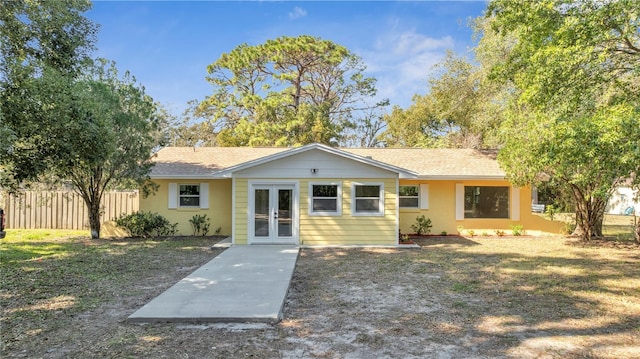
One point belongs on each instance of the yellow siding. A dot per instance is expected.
(218, 211)
(442, 211)
(241, 210)
(347, 229)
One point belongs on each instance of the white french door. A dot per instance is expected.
(273, 214)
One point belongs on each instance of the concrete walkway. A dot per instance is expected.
(242, 284)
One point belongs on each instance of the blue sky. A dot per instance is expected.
(167, 45)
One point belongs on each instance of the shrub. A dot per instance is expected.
(200, 224)
(422, 225)
(146, 224)
(517, 229)
(550, 211)
(499, 233)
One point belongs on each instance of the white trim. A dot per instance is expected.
(462, 178)
(233, 212)
(295, 231)
(310, 197)
(459, 201)
(204, 195)
(514, 202)
(380, 212)
(397, 214)
(173, 195)
(424, 196)
(400, 197)
(221, 175)
(183, 177)
(199, 195)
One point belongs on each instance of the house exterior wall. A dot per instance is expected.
(326, 165)
(240, 211)
(348, 229)
(443, 206)
(219, 205)
(229, 203)
(345, 229)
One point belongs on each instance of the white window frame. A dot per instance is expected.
(174, 195)
(417, 197)
(338, 211)
(380, 212)
(181, 196)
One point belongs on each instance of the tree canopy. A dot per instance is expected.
(64, 116)
(44, 45)
(462, 107)
(287, 91)
(110, 136)
(577, 114)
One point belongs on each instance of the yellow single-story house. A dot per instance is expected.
(320, 195)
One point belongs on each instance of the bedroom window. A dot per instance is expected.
(409, 196)
(368, 199)
(486, 202)
(189, 195)
(325, 199)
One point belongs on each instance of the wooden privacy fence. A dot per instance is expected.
(62, 209)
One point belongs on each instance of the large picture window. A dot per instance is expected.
(409, 196)
(486, 202)
(325, 199)
(189, 195)
(368, 199)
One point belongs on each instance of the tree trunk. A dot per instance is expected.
(589, 215)
(579, 230)
(637, 233)
(94, 218)
(92, 198)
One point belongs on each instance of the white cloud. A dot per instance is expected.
(297, 13)
(402, 63)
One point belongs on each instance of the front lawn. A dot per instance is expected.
(454, 297)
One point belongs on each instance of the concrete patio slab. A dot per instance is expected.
(242, 284)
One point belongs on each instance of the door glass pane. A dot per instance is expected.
(261, 211)
(285, 223)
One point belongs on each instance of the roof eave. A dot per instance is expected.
(462, 178)
(184, 176)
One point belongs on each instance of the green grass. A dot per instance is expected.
(33, 244)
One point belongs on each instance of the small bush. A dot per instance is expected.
(443, 233)
(146, 224)
(517, 229)
(200, 224)
(422, 225)
(500, 233)
(550, 211)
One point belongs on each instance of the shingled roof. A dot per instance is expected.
(200, 162)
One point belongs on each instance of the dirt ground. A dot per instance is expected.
(451, 298)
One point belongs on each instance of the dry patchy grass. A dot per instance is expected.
(454, 297)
